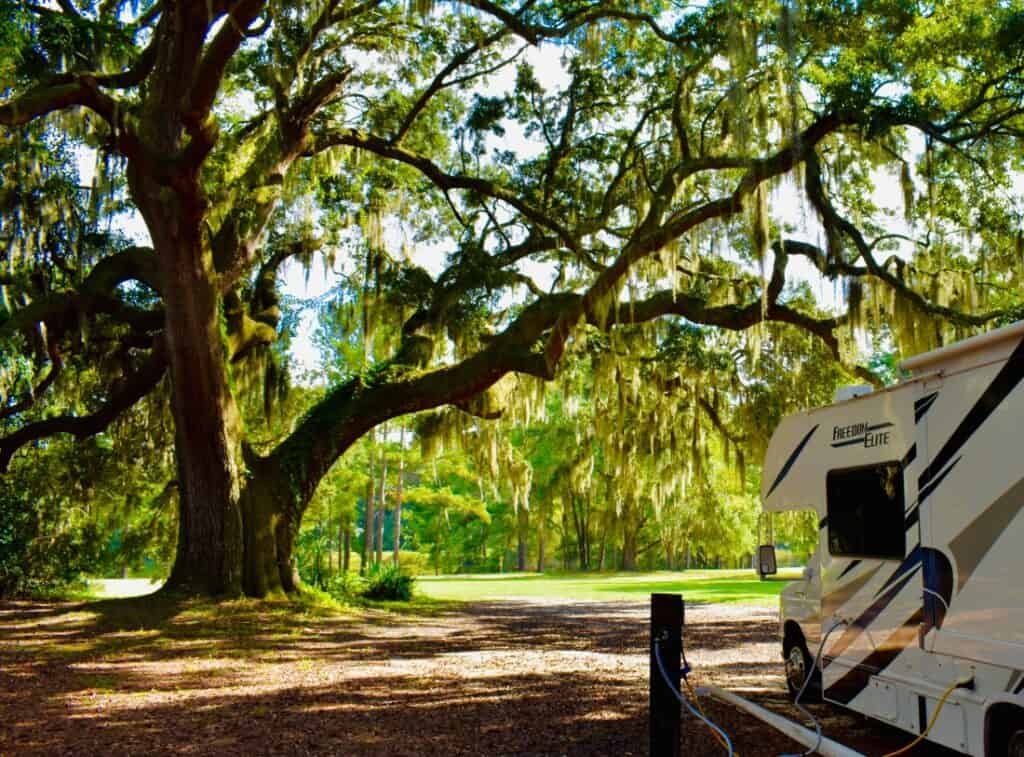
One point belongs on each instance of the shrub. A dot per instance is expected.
(388, 582)
(35, 561)
(415, 563)
(344, 586)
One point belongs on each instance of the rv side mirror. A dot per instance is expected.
(766, 560)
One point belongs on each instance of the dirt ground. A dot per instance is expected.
(502, 678)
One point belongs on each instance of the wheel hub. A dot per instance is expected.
(795, 670)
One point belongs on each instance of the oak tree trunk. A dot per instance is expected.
(207, 428)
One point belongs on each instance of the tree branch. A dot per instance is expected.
(835, 224)
(134, 387)
(61, 310)
(39, 101)
(438, 83)
(442, 179)
(211, 68)
(653, 234)
(56, 365)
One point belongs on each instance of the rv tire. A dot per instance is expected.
(798, 661)
(1004, 731)
(1015, 747)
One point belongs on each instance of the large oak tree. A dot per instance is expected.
(249, 132)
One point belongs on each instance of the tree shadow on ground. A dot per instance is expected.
(165, 675)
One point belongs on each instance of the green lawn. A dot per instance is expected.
(728, 586)
(731, 586)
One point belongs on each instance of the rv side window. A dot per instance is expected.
(865, 511)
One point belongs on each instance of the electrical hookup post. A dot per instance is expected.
(666, 644)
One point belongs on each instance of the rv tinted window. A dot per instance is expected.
(865, 511)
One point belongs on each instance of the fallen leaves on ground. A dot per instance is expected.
(159, 676)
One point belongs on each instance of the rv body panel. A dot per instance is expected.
(970, 520)
(869, 429)
(945, 603)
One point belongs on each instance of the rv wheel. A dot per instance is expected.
(1015, 747)
(798, 662)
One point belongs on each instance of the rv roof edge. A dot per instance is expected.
(975, 343)
(851, 392)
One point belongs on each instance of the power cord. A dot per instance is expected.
(816, 665)
(696, 699)
(935, 716)
(723, 738)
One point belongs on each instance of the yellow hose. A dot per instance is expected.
(696, 701)
(926, 731)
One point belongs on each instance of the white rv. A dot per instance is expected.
(918, 490)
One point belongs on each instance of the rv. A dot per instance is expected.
(917, 584)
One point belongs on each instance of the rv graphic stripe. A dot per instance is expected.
(923, 405)
(854, 681)
(1014, 677)
(834, 600)
(792, 459)
(970, 546)
(912, 513)
(1020, 688)
(1005, 381)
(849, 567)
(923, 494)
(909, 563)
(867, 617)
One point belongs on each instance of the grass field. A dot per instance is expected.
(709, 586)
(728, 586)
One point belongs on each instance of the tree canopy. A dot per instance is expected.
(643, 197)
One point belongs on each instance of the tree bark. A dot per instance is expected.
(523, 537)
(397, 524)
(585, 551)
(346, 545)
(207, 427)
(604, 543)
(382, 503)
(368, 521)
(540, 544)
(565, 534)
(629, 548)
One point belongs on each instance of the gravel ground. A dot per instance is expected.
(497, 678)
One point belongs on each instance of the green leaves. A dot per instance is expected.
(444, 499)
(486, 115)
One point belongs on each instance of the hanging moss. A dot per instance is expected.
(907, 184)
